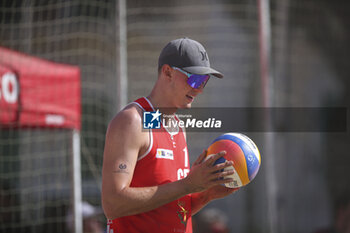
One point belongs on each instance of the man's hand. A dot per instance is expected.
(199, 200)
(204, 174)
(210, 192)
(218, 192)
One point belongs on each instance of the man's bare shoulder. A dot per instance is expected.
(127, 119)
(125, 133)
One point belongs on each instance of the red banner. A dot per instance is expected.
(38, 93)
(9, 89)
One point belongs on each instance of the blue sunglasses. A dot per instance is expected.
(197, 81)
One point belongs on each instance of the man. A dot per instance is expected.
(341, 221)
(91, 219)
(211, 220)
(147, 184)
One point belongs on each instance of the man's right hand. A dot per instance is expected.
(204, 174)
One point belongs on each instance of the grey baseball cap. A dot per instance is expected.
(188, 55)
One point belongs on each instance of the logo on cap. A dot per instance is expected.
(204, 56)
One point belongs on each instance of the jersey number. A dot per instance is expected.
(182, 173)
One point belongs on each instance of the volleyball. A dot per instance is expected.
(242, 151)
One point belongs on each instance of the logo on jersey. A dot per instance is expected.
(109, 226)
(182, 214)
(151, 120)
(165, 154)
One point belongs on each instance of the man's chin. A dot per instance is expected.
(187, 106)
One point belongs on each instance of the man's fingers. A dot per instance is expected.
(201, 157)
(212, 159)
(222, 174)
(220, 166)
(224, 189)
(223, 181)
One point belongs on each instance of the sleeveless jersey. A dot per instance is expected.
(166, 160)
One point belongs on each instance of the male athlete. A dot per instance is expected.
(147, 183)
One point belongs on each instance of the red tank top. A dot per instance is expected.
(166, 160)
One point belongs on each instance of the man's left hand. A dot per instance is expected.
(218, 191)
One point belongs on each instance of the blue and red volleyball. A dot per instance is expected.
(243, 152)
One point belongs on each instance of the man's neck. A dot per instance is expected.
(160, 103)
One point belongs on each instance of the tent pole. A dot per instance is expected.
(76, 184)
(267, 96)
(122, 78)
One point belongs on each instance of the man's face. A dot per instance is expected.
(184, 94)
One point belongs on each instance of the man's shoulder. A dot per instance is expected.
(129, 117)
(132, 111)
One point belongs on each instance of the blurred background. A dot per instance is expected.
(302, 185)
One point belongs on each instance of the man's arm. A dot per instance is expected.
(201, 199)
(124, 141)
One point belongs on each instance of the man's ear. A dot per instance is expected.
(167, 71)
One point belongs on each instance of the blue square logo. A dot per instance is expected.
(151, 120)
